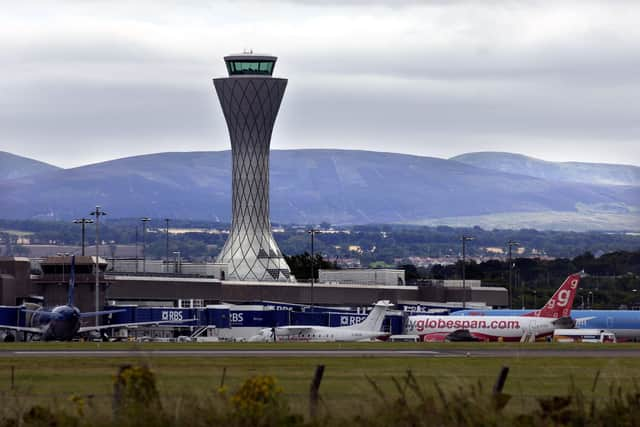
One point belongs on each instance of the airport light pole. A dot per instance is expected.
(511, 244)
(136, 248)
(166, 244)
(464, 239)
(521, 289)
(83, 222)
(97, 213)
(63, 255)
(312, 232)
(176, 254)
(144, 220)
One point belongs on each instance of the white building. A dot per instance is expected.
(363, 276)
(177, 266)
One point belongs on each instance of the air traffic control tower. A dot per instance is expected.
(250, 98)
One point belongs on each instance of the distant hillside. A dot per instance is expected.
(589, 173)
(308, 186)
(12, 166)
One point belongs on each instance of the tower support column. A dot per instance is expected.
(250, 102)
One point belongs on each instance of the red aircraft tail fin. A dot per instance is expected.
(561, 302)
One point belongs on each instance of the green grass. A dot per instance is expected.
(344, 387)
(39, 346)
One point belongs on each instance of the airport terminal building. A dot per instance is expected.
(225, 309)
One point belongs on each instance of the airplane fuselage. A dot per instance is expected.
(489, 328)
(625, 324)
(322, 333)
(318, 334)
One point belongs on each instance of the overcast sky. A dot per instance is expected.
(87, 81)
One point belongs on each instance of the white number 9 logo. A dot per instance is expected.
(563, 297)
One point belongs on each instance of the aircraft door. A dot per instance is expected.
(609, 322)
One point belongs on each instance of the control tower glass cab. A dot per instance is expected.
(250, 99)
(250, 65)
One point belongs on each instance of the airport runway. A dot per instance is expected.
(600, 353)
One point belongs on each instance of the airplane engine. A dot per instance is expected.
(564, 323)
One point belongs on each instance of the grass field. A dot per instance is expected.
(470, 346)
(344, 388)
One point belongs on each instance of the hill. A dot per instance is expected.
(310, 186)
(589, 173)
(12, 166)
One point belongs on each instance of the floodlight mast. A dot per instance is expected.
(83, 222)
(313, 233)
(144, 221)
(511, 243)
(98, 213)
(464, 239)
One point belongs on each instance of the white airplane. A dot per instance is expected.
(539, 323)
(366, 330)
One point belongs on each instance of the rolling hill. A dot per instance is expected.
(12, 166)
(589, 173)
(310, 186)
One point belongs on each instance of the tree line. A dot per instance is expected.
(375, 243)
(612, 280)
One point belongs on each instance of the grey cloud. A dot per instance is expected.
(578, 65)
(133, 94)
(542, 110)
(75, 120)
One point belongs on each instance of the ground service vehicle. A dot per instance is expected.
(583, 335)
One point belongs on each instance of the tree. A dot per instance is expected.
(411, 274)
(300, 265)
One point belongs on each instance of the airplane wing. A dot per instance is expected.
(435, 337)
(44, 314)
(22, 329)
(581, 321)
(100, 313)
(460, 335)
(131, 325)
(465, 335)
(294, 330)
(564, 323)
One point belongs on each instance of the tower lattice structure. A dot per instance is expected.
(250, 98)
